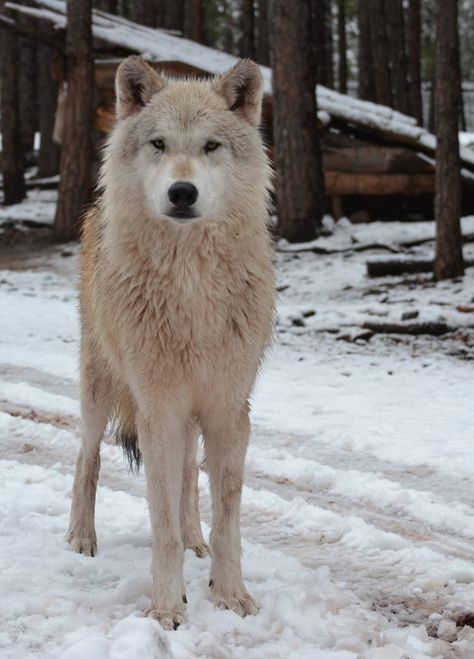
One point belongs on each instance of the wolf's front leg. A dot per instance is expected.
(190, 518)
(226, 437)
(162, 443)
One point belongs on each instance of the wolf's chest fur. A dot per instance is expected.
(178, 300)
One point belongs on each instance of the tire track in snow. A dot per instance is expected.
(382, 577)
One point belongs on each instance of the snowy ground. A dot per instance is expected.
(358, 510)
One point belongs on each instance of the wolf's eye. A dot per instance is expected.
(211, 146)
(158, 144)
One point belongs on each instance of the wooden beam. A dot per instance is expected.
(410, 185)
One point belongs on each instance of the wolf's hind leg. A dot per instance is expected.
(190, 518)
(96, 407)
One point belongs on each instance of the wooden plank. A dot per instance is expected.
(344, 183)
(375, 160)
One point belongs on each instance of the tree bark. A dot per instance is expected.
(76, 152)
(397, 56)
(173, 15)
(248, 29)
(449, 261)
(297, 150)
(328, 43)
(48, 162)
(342, 46)
(413, 43)
(263, 45)
(147, 12)
(366, 85)
(193, 20)
(110, 6)
(27, 90)
(14, 188)
(318, 29)
(379, 54)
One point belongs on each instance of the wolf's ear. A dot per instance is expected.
(242, 88)
(135, 84)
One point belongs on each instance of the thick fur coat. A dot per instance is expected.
(177, 304)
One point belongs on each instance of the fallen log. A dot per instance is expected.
(348, 183)
(317, 249)
(415, 329)
(372, 159)
(400, 266)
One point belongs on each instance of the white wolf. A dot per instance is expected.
(177, 304)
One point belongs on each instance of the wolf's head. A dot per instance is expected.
(186, 150)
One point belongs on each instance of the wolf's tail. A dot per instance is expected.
(125, 431)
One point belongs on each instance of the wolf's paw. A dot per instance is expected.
(169, 620)
(82, 543)
(238, 600)
(200, 549)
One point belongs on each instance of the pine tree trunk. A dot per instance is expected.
(248, 29)
(263, 45)
(397, 56)
(341, 46)
(147, 12)
(413, 42)
(328, 42)
(297, 149)
(193, 20)
(318, 30)
(48, 162)
(366, 86)
(109, 6)
(379, 54)
(449, 258)
(76, 152)
(173, 15)
(14, 189)
(27, 94)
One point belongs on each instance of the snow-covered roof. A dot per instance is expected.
(160, 45)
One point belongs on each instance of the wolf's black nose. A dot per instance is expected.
(183, 194)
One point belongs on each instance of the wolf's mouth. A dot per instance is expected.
(182, 214)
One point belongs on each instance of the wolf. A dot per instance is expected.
(177, 301)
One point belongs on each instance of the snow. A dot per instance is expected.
(38, 208)
(357, 512)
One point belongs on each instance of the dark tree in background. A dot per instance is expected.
(172, 15)
(147, 12)
(413, 46)
(14, 189)
(27, 89)
(48, 159)
(342, 46)
(328, 40)
(109, 6)
(248, 29)
(449, 258)
(75, 166)
(193, 20)
(297, 150)
(396, 51)
(263, 46)
(322, 41)
(379, 54)
(366, 85)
